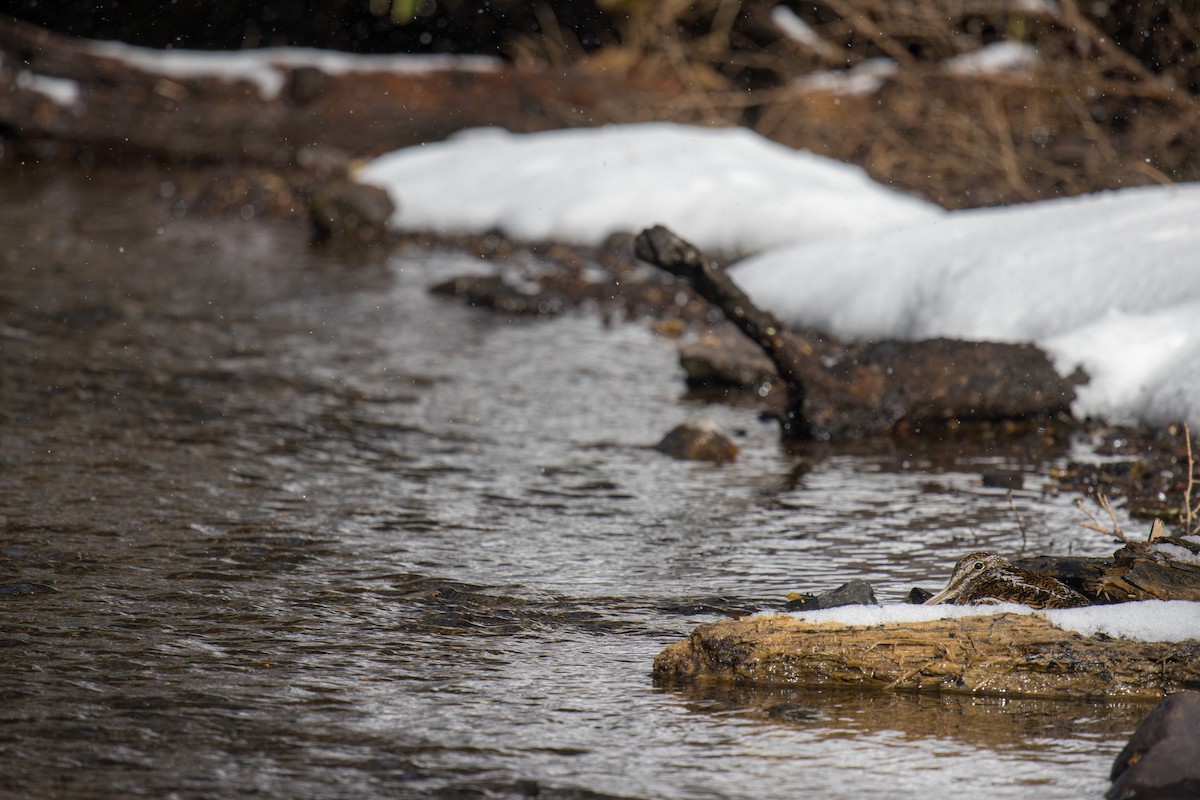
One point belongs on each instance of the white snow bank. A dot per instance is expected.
(1146, 621)
(994, 58)
(259, 67)
(62, 91)
(867, 77)
(725, 189)
(1104, 281)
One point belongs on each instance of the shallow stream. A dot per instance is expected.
(275, 522)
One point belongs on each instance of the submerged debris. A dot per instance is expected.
(881, 389)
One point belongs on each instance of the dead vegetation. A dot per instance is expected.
(1113, 529)
(1191, 502)
(1079, 98)
(1149, 472)
(1086, 98)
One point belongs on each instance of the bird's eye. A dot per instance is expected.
(978, 565)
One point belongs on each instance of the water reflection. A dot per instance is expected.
(277, 522)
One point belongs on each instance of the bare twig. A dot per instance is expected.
(1190, 511)
(1114, 529)
(1020, 522)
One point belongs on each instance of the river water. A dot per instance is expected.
(276, 522)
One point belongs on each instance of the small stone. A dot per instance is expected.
(343, 209)
(1003, 479)
(854, 593)
(917, 596)
(698, 440)
(725, 358)
(495, 293)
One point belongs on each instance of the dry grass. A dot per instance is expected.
(1191, 502)
(1111, 101)
(1113, 529)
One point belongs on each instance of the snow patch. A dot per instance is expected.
(865, 78)
(62, 91)
(994, 58)
(262, 67)
(725, 189)
(1145, 621)
(1176, 553)
(1099, 281)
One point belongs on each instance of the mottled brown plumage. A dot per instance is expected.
(988, 578)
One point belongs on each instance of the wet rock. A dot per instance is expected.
(698, 440)
(495, 293)
(1162, 759)
(344, 209)
(323, 162)
(854, 593)
(725, 358)
(917, 596)
(1003, 479)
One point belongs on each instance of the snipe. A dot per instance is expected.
(988, 578)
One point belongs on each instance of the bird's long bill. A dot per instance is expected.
(938, 598)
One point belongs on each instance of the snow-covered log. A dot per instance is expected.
(109, 99)
(1000, 654)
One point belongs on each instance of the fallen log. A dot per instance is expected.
(877, 389)
(58, 93)
(1165, 568)
(1001, 654)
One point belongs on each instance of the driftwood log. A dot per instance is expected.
(879, 389)
(1167, 568)
(124, 110)
(1004, 654)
